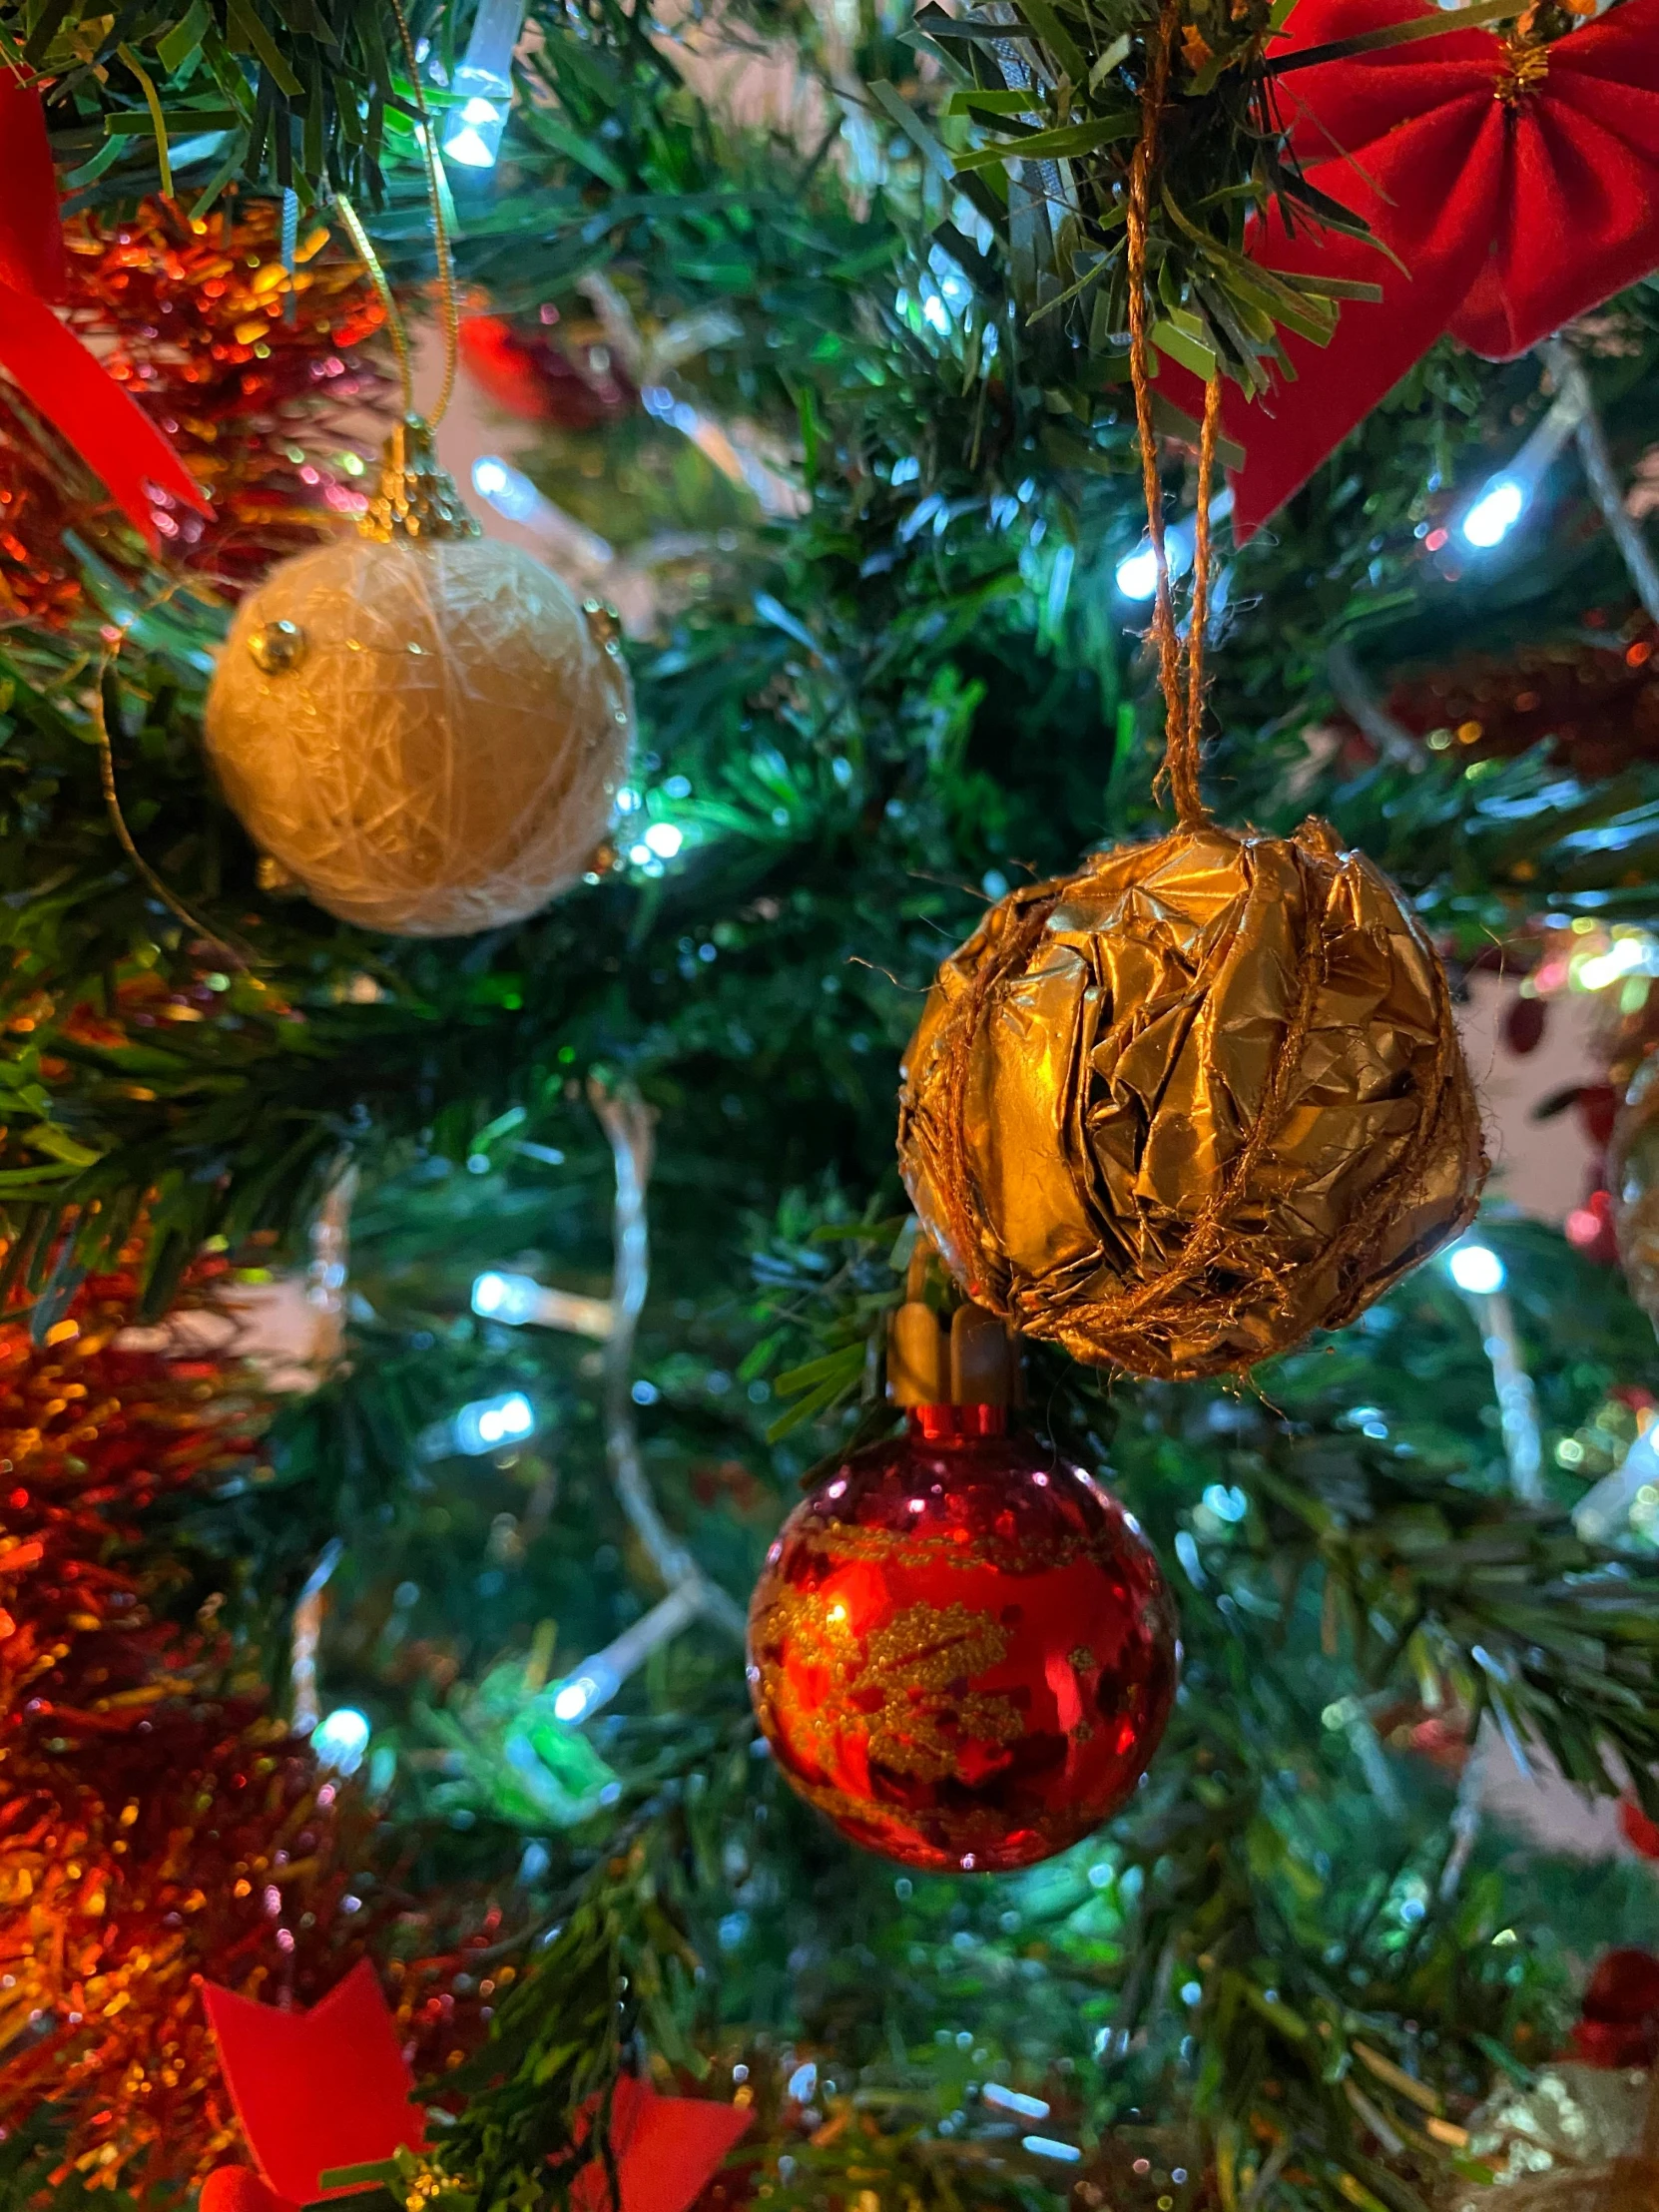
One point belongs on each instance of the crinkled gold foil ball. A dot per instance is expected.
(428, 734)
(1179, 1109)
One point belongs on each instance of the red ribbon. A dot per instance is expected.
(1518, 189)
(107, 428)
(315, 2090)
(320, 2091)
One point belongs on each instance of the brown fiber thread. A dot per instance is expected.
(1182, 706)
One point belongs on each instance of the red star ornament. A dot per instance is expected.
(1519, 187)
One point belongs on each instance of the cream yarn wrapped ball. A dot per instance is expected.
(419, 725)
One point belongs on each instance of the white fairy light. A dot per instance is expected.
(483, 87)
(1476, 1268)
(1137, 572)
(341, 1739)
(1480, 1274)
(1505, 497)
(487, 1424)
(1495, 513)
(597, 1680)
(521, 1301)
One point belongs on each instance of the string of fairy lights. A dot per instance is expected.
(1580, 956)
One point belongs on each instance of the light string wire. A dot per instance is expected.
(628, 1124)
(1183, 704)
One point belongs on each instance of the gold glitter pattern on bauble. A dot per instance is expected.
(903, 1687)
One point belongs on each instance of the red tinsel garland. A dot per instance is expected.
(90, 1435)
(155, 1830)
(267, 389)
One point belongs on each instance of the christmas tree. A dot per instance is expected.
(448, 1191)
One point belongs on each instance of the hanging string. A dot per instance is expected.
(365, 249)
(1198, 617)
(1183, 701)
(440, 228)
(235, 954)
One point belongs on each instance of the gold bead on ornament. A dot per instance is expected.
(277, 648)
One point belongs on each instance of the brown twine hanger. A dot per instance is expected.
(1183, 703)
(1190, 1293)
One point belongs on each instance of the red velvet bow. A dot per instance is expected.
(315, 2091)
(1518, 189)
(110, 431)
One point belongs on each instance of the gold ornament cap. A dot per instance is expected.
(417, 499)
(965, 1359)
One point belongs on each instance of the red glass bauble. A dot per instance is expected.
(1624, 1987)
(532, 376)
(961, 1648)
(1621, 2024)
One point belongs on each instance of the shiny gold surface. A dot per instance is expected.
(417, 498)
(1179, 1109)
(277, 648)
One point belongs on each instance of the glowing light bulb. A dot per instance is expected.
(341, 1739)
(1137, 572)
(664, 840)
(509, 490)
(1014, 2100)
(489, 1422)
(483, 87)
(1622, 956)
(573, 1699)
(1476, 1268)
(513, 1299)
(1495, 513)
(1137, 575)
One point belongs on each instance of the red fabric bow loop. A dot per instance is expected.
(320, 2091)
(1517, 191)
(315, 2090)
(107, 428)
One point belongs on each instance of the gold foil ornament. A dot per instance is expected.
(419, 725)
(1179, 1109)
